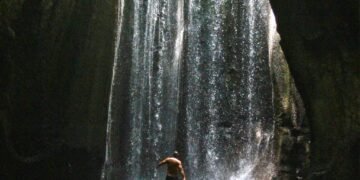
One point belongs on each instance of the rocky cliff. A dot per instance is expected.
(55, 65)
(320, 40)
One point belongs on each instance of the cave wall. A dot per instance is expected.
(55, 68)
(55, 64)
(320, 40)
(292, 134)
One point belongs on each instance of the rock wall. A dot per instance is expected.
(292, 133)
(55, 65)
(55, 71)
(320, 40)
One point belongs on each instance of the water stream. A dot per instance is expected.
(191, 75)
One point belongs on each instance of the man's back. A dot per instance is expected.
(174, 166)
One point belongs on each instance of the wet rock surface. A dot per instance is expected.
(55, 66)
(320, 40)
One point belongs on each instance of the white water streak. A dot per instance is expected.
(119, 22)
(179, 42)
(180, 33)
(120, 13)
(214, 93)
(136, 106)
(272, 33)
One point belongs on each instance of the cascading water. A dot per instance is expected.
(192, 75)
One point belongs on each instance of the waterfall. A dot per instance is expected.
(191, 75)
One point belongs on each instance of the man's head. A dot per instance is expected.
(176, 154)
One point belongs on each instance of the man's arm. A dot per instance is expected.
(162, 162)
(181, 169)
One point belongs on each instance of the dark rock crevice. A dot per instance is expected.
(320, 40)
(55, 60)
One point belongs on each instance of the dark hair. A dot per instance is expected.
(176, 154)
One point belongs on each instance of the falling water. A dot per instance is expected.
(108, 155)
(191, 75)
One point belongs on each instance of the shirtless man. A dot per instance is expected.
(174, 167)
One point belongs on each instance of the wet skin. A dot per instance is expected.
(174, 167)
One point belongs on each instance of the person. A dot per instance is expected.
(174, 166)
